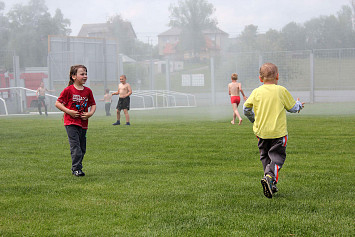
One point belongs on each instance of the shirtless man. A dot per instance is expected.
(233, 89)
(41, 96)
(124, 90)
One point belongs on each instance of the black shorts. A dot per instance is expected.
(123, 103)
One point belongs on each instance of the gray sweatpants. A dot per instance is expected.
(273, 155)
(77, 142)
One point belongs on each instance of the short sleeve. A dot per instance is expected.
(63, 98)
(91, 99)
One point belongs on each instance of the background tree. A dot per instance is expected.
(324, 32)
(127, 43)
(346, 37)
(4, 28)
(270, 41)
(293, 37)
(120, 30)
(30, 26)
(248, 38)
(192, 17)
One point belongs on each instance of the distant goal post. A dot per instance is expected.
(155, 99)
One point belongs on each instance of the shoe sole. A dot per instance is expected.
(78, 175)
(266, 188)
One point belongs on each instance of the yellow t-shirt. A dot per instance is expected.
(269, 102)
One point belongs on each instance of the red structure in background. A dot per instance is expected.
(31, 80)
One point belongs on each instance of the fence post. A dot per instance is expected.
(16, 63)
(151, 74)
(311, 61)
(260, 60)
(167, 75)
(104, 62)
(213, 91)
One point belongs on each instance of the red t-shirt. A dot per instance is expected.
(79, 100)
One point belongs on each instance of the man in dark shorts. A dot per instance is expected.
(124, 90)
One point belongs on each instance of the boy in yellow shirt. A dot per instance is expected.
(270, 102)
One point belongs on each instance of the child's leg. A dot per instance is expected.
(264, 146)
(39, 104)
(118, 115)
(235, 109)
(107, 108)
(234, 115)
(45, 107)
(74, 136)
(126, 115)
(82, 145)
(277, 155)
(276, 152)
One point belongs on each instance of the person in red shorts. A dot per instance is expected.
(234, 89)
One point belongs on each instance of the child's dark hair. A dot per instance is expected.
(73, 71)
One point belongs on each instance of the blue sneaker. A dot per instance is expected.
(128, 123)
(266, 182)
(117, 123)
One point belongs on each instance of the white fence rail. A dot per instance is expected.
(20, 96)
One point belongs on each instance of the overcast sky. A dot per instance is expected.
(151, 17)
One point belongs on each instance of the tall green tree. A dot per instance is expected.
(30, 26)
(293, 37)
(346, 28)
(192, 17)
(248, 38)
(121, 30)
(331, 31)
(4, 28)
(270, 41)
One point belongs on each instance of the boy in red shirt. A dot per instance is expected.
(74, 101)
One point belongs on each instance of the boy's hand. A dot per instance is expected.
(73, 113)
(245, 98)
(298, 99)
(85, 115)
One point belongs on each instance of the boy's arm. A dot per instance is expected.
(117, 92)
(129, 90)
(248, 108)
(297, 107)
(229, 89)
(241, 91)
(61, 107)
(249, 113)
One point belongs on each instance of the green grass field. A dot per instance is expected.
(182, 172)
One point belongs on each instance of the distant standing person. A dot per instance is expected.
(108, 100)
(124, 91)
(270, 102)
(41, 98)
(234, 88)
(74, 101)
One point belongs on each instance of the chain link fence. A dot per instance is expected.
(313, 75)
